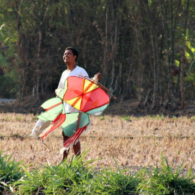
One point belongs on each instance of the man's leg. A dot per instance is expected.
(77, 148)
(65, 154)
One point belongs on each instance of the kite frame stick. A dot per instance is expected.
(78, 122)
(46, 145)
(100, 85)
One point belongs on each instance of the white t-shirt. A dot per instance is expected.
(78, 71)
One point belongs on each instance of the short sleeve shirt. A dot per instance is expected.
(78, 71)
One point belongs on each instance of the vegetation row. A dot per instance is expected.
(79, 176)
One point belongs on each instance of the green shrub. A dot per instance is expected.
(10, 171)
(108, 182)
(115, 182)
(58, 179)
(76, 177)
(167, 180)
(8, 87)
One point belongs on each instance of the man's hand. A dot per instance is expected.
(57, 91)
(97, 77)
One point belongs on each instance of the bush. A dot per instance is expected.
(10, 172)
(59, 179)
(167, 180)
(8, 88)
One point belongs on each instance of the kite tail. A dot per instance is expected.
(74, 138)
(56, 123)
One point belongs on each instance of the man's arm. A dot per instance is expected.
(97, 77)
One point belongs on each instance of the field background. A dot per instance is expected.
(128, 140)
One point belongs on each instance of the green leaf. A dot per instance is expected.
(192, 66)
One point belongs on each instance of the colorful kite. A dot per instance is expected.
(84, 94)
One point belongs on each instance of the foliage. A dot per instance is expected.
(10, 171)
(132, 43)
(8, 87)
(126, 118)
(167, 180)
(192, 66)
(8, 39)
(77, 177)
(8, 79)
(59, 179)
(102, 117)
(158, 117)
(109, 181)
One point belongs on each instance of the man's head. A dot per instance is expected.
(70, 56)
(74, 51)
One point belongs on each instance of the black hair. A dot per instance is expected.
(74, 51)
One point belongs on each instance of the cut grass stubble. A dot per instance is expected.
(131, 141)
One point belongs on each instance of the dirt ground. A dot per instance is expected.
(124, 134)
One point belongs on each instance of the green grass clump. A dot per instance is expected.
(192, 119)
(10, 171)
(7, 118)
(35, 117)
(19, 118)
(157, 117)
(126, 118)
(167, 180)
(109, 182)
(102, 118)
(59, 179)
(76, 177)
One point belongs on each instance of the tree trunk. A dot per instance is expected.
(182, 60)
(181, 78)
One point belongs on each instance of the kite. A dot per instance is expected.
(84, 94)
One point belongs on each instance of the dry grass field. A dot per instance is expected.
(130, 141)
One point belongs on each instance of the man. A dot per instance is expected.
(70, 56)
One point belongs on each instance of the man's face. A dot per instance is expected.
(68, 57)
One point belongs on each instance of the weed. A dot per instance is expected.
(58, 179)
(10, 171)
(192, 119)
(160, 117)
(102, 118)
(111, 182)
(166, 180)
(34, 117)
(126, 118)
(7, 118)
(19, 118)
(76, 177)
